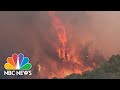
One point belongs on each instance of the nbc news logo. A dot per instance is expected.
(17, 65)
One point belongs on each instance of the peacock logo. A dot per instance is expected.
(17, 62)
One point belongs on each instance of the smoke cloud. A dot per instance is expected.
(89, 33)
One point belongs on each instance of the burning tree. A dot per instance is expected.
(71, 62)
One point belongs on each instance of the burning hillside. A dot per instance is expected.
(59, 43)
(68, 59)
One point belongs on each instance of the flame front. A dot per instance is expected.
(63, 54)
(73, 62)
(58, 26)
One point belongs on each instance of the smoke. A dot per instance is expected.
(90, 35)
(105, 26)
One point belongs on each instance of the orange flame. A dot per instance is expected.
(57, 24)
(73, 62)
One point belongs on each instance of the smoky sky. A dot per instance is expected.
(30, 32)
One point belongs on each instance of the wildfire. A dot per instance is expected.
(58, 26)
(72, 60)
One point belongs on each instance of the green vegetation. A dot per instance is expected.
(108, 70)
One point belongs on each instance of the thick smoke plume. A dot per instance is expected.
(89, 38)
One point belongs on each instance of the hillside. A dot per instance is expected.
(108, 70)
